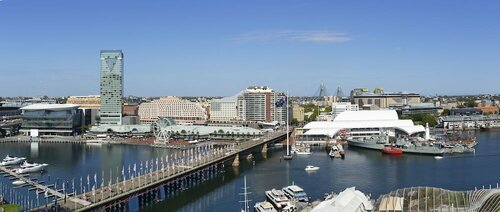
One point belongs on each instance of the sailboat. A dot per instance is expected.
(287, 156)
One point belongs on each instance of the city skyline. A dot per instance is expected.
(202, 49)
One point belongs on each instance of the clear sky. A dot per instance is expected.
(194, 48)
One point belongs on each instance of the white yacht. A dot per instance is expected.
(264, 207)
(277, 198)
(33, 168)
(26, 164)
(12, 160)
(303, 150)
(296, 192)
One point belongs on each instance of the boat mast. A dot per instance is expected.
(245, 193)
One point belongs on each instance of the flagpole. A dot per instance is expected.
(287, 127)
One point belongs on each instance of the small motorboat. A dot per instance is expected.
(311, 168)
(18, 183)
(438, 157)
(391, 150)
(331, 154)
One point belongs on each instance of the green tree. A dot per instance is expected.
(421, 119)
(446, 112)
(429, 119)
(471, 103)
(294, 122)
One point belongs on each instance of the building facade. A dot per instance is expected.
(89, 102)
(224, 109)
(111, 87)
(171, 107)
(51, 119)
(383, 100)
(340, 107)
(298, 113)
(258, 103)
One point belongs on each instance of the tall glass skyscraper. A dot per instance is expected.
(111, 87)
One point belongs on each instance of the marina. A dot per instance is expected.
(333, 172)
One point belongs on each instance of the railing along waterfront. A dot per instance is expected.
(139, 178)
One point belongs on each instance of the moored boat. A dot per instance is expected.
(34, 168)
(295, 192)
(391, 150)
(490, 127)
(406, 145)
(12, 160)
(26, 164)
(277, 198)
(264, 207)
(374, 142)
(18, 183)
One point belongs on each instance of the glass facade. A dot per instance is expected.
(111, 86)
(63, 122)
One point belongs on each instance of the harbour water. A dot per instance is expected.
(370, 171)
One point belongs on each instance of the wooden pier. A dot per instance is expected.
(42, 188)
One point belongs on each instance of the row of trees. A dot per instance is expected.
(421, 119)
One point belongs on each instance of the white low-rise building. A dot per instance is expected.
(224, 109)
(359, 124)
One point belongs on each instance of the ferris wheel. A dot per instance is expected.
(160, 132)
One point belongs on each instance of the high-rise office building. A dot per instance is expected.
(111, 87)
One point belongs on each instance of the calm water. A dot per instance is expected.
(368, 170)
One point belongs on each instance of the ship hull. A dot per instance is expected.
(379, 147)
(487, 129)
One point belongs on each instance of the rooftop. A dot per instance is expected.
(362, 119)
(50, 107)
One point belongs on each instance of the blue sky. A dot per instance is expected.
(193, 48)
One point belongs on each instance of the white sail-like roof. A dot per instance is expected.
(348, 200)
(362, 119)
